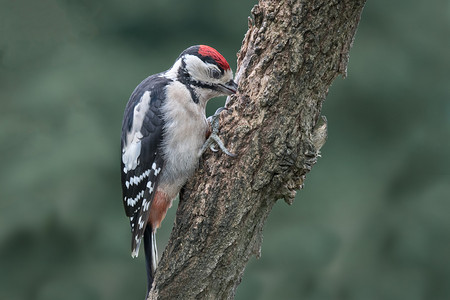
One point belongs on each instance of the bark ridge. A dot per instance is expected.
(290, 55)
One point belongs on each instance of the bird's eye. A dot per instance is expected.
(215, 73)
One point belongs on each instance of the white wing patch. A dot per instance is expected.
(132, 146)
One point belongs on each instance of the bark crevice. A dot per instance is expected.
(290, 55)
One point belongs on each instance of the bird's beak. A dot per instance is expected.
(228, 88)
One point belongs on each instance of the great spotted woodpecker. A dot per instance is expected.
(163, 131)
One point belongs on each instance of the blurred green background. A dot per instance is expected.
(373, 221)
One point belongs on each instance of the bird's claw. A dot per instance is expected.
(214, 138)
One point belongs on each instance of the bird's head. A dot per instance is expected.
(204, 69)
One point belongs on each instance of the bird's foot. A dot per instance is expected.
(214, 138)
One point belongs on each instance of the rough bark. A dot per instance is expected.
(292, 52)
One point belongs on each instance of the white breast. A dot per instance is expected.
(184, 134)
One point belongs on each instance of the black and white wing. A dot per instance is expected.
(142, 161)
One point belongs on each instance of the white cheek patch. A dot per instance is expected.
(198, 69)
(201, 71)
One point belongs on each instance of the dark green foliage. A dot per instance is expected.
(373, 221)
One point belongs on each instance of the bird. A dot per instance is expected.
(164, 133)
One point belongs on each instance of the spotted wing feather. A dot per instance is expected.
(142, 161)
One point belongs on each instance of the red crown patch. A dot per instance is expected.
(211, 52)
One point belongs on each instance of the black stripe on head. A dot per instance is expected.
(185, 78)
(194, 50)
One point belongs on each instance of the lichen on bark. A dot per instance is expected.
(290, 55)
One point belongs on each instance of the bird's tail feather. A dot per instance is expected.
(151, 254)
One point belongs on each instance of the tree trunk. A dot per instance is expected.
(292, 52)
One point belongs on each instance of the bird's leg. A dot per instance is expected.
(214, 138)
